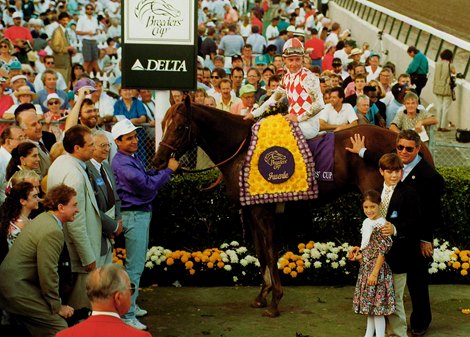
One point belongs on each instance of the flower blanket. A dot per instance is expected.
(279, 165)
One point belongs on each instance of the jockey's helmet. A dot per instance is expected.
(293, 47)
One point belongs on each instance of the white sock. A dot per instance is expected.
(370, 327)
(379, 326)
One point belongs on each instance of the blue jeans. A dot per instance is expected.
(136, 233)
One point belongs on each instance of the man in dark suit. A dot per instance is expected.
(109, 290)
(429, 184)
(104, 184)
(29, 286)
(401, 208)
(27, 119)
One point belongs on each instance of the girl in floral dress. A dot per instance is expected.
(374, 295)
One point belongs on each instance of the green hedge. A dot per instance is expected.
(186, 217)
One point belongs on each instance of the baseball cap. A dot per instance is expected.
(122, 128)
(15, 65)
(260, 60)
(18, 77)
(236, 57)
(17, 15)
(247, 89)
(84, 83)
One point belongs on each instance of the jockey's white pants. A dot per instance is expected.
(310, 127)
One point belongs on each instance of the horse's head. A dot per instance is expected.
(177, 136)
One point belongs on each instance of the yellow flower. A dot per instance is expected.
(453, 256)
(465, 265)
(192, 271)
(283, 262)
(300, 269)
(292, 265)
(293, 274)
(464, 272)
(310, 245)
(210, 265)
(287, 270)
(170, 261)
(220, 264)
(189, 265)
(456, 265)
(184, 258)
(119, 262)
(464, 257)
(299, 263)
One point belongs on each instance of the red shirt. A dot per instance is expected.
(327, 63)
(18, 32)
(257, 22)
(318, 46)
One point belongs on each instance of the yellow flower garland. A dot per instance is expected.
(276, 131)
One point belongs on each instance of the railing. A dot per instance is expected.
(411, 32)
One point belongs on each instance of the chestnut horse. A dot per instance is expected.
(225, 138)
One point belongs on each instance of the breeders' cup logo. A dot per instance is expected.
(276, 164)
(275, 159)
(158, 15)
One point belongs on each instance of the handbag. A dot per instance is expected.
(462, 136)
(452, 84)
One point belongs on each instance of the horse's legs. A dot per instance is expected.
(263, 224)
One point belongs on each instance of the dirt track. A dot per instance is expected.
(450, 16)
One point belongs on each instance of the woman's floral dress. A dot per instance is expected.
(379, 299)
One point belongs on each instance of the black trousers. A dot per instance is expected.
(418, 281)
(419, 81)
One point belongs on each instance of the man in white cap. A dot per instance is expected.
(302, 88)
(136, 208)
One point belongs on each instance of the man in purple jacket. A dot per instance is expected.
(137, 188)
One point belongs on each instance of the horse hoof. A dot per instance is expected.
(258, 304)
(271, 313)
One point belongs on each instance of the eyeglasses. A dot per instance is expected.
(50, 62)
(53, 103)
(4, 46)
(408, 149)
(104, 145)
(132, 288)
(216, 77)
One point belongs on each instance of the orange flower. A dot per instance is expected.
(300, 269)
(287, 270)
(170, 261)
(293, 274)
(189, 265)
(210, 265)
(310, 245)
(464, 272)
(220, 264)
(456, 265)
(192, 271)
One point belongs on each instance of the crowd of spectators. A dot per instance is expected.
(60, 92)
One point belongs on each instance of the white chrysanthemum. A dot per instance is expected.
(434, 265)
(442, 266)
(243, 262)
(334, 265)
(257, 263)
(224, 255)
(432, 270)
(149, 265)
(154, 258)
(436, 243)
(307, 264)
(166, 252)
(317, 264)
(314, 253)
(242, 250)
(235, 279)
(332, 256)
(345, 245)
(335, 250)
(224, 245)
(243, 273)
(305, 256)
(234, 244)
(228, 267)
(342, 263)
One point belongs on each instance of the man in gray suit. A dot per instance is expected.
(104, 184)
(29, 286)
(83, 235)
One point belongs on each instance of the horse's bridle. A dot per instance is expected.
(192, 143)
(183, 144)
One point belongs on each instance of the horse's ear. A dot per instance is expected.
(187, 102)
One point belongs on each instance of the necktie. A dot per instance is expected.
(110, 198)
(43, 147)
(385, 201)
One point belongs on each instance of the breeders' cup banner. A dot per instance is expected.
(159, 47)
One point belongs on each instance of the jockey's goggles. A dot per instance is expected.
(293, 52)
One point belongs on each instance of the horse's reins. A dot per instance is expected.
(176, 150)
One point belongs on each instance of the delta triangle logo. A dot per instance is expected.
(137, 65)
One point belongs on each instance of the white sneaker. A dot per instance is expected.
(134, 322)
(139, 312)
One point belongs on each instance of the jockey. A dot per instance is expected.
(302, 88)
